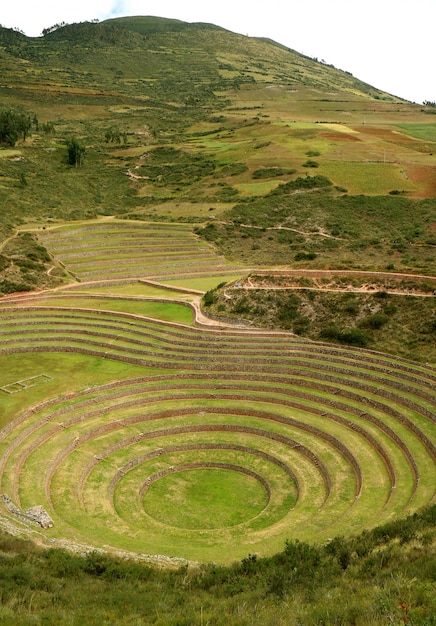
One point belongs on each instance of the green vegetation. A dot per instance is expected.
(169, 166)
(271, 172)
(421, 131)
(337, 230)
(131, 456)
(122, 250)
(25, 264)
(311, 163)
(76, 152)
(213, 496)
(13, 126)
(382, 576)
(174, 104)
(396, 323)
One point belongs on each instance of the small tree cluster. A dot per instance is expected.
(76, 152)
(48, 128)
(13, 126)
(114, 135)
(51, 29)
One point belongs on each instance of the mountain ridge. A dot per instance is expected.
(133, 32)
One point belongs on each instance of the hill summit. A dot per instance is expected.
(201, 52)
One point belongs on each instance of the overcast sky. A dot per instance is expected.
(389, 44)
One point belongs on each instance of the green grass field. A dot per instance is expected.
(426, 132)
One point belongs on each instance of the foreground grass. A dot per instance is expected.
(384, 576)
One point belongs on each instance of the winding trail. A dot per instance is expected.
(4, 243)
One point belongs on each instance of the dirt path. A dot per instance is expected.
(352, 273)
(363, 289)
(6, 241)
(248, 283)
(281, 227)
(371, 282)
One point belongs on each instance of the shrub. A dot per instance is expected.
(242, 306)
(352, 308)
(209, 232)
(308, 182)
(231, 169)
(227, 193)
(7, 286)
(289, 315)
(271, 172)
(26, 264)
(261, 144)
(390, 309)
(305, 256)
(352, 336)
(330, 332)
(4, 262)
(375, 321)
(209, 298)
(301, 325)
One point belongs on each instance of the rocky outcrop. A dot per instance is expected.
(39, 515)
(36, 514)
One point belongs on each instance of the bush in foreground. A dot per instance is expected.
(382, 576)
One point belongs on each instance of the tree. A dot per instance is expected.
(51, 29)
(13, 125)
(76, 152)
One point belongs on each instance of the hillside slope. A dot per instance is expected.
(190, 122)
(147, 48)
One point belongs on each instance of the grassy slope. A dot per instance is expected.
(398, 324)
(303, 217)
(382, 576)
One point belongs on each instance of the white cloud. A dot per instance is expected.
(32, 17)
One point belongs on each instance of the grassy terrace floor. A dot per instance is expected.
(113, 249)
(157, 426)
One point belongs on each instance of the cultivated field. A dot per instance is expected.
(112, 249)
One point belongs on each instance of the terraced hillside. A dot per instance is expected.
(133, 420)
(110, 249)
(322, 440)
